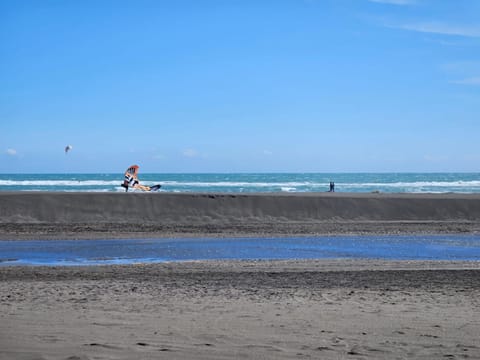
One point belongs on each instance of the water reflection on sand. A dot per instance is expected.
(92, 252)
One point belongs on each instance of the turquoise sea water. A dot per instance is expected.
(248, 183)
(89, 252)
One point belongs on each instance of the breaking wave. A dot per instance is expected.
(238, 183)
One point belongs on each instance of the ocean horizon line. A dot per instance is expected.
(242, 172)
(250, 182)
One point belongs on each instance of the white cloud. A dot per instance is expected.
(435, 158)
(441, 28)
(11, 152)
(267, 153)
(190, 153)
(159, 157)
(395, 2)
(462, 66)
(465, 72)
(468, 81)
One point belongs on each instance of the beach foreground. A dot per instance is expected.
(330, 309)
(61, 215)
(322, 309)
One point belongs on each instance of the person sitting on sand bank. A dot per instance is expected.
(131, 180)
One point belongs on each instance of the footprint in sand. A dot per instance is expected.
(104, 346)
(77, 357)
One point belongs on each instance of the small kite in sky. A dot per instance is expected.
(68, 148)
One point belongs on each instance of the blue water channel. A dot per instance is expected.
(94, 252)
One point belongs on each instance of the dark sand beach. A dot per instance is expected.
(315, 309)
(54, 215)
(253, 310)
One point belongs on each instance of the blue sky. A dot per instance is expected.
(240, 86)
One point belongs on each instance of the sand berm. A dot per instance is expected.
(43, 215)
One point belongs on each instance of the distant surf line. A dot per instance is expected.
(251, 183)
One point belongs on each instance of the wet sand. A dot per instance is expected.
(325, 309)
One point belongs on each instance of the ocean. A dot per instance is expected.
(252, 182)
